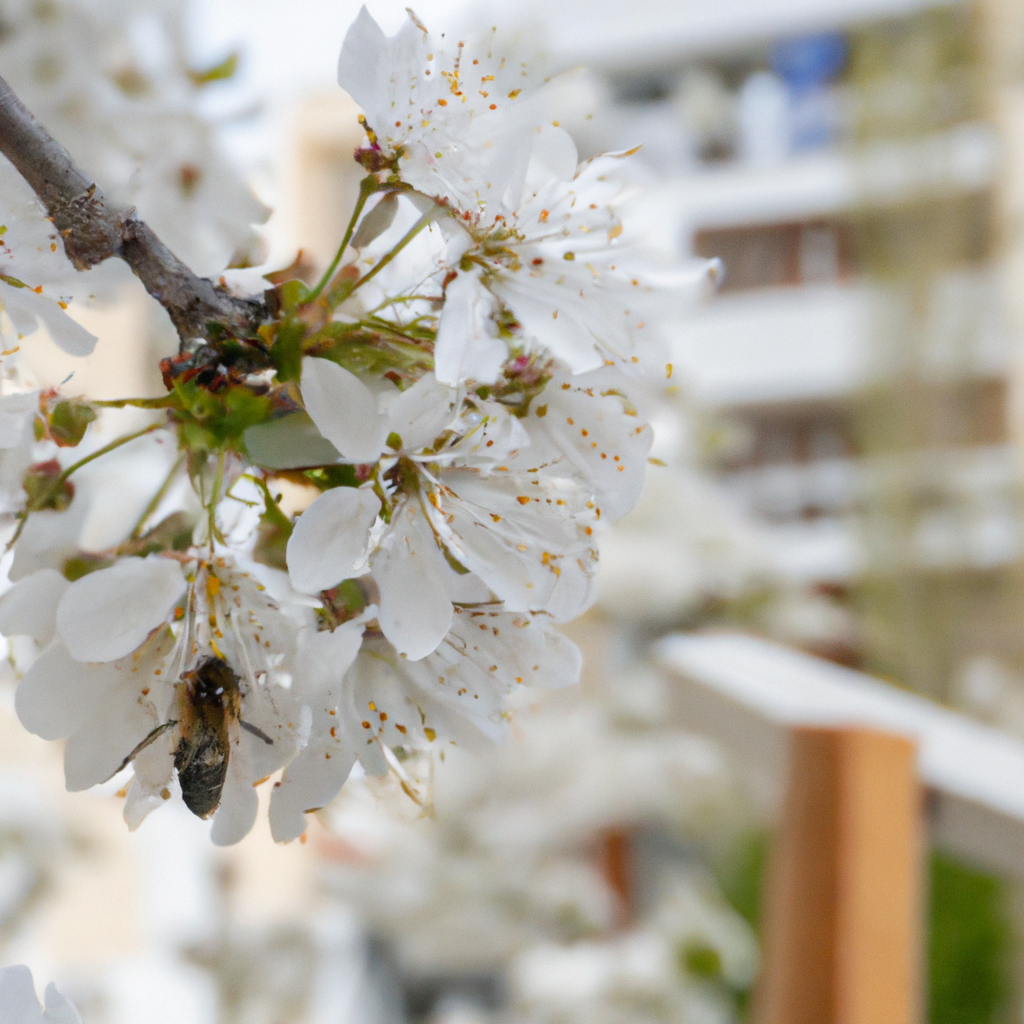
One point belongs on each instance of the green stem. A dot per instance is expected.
(367, 187)
(158, 497)
(104, 450)
(165, 402)
(425, 220)
(59, 481)
(218, 482)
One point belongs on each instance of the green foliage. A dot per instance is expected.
(69, 421)
(970, 940)
(286, 352)
(212, 421)
(218, 72)
(702, 961)
(274, 531)
(342, 603)
(46, 488)
(174, 533)
(326, 477)
(83, 563)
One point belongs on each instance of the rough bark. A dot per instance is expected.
(94, 230)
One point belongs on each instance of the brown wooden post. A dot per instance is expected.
(843, 912)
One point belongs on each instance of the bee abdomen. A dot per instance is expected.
(202, 767)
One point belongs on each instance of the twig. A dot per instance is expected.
(93, 230)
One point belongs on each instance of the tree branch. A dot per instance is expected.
(93, 231)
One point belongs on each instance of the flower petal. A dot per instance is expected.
(528, 537)
(107, 614)
(112, 729)
(586, 430)
(30, 607)
(415, 609)
(55, 694)
(18, 998)
(343, 409)
(26, 308)
(236, 815)
(59, 1009)
(154, 768)
(467, 345)
(421, 412)
(331, 538)
(313, 778)
(16, 415)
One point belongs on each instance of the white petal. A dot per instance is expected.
(236, 815)
(421, 412)
(16, 415)
(30, 607)
(49, 538)
(154, 768)
(324, 656)
(109, 733)
(331, 538)
(415, 609)
(343, 409)
(56, 693)
(581, 427)
(529, 538)
(467, 346)
(59, 1009)
(18, 1001)
(26, 307)
(311, 780)
(107, 614)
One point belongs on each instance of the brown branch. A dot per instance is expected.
(93, 231)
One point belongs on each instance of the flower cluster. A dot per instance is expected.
(368, 516)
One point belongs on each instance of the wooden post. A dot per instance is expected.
(843, 912)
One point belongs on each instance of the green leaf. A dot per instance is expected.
(218, 73)
(289, 442)
(171, 534)
(45, 489)
(286, 352)
(69, 421)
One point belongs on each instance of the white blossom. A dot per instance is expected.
(113, 678)
(367, 700)
(561, 264)
(459, 117)
(20, 1005)
(526, 535)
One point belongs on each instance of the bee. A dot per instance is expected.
(209, 700)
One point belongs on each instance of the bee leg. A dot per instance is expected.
(256, 732)
(157, 732)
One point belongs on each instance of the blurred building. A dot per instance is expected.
(856, 167)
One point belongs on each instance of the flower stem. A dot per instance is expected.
(424, 221)
(367, 187)
(158, 497)
(104, 450)
(218, 482)
(59, 481)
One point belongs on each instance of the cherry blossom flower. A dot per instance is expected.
(459, 118)
(113, 679)
(20, 1005)
(367, 699)
(526, 535)
(563, 268)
